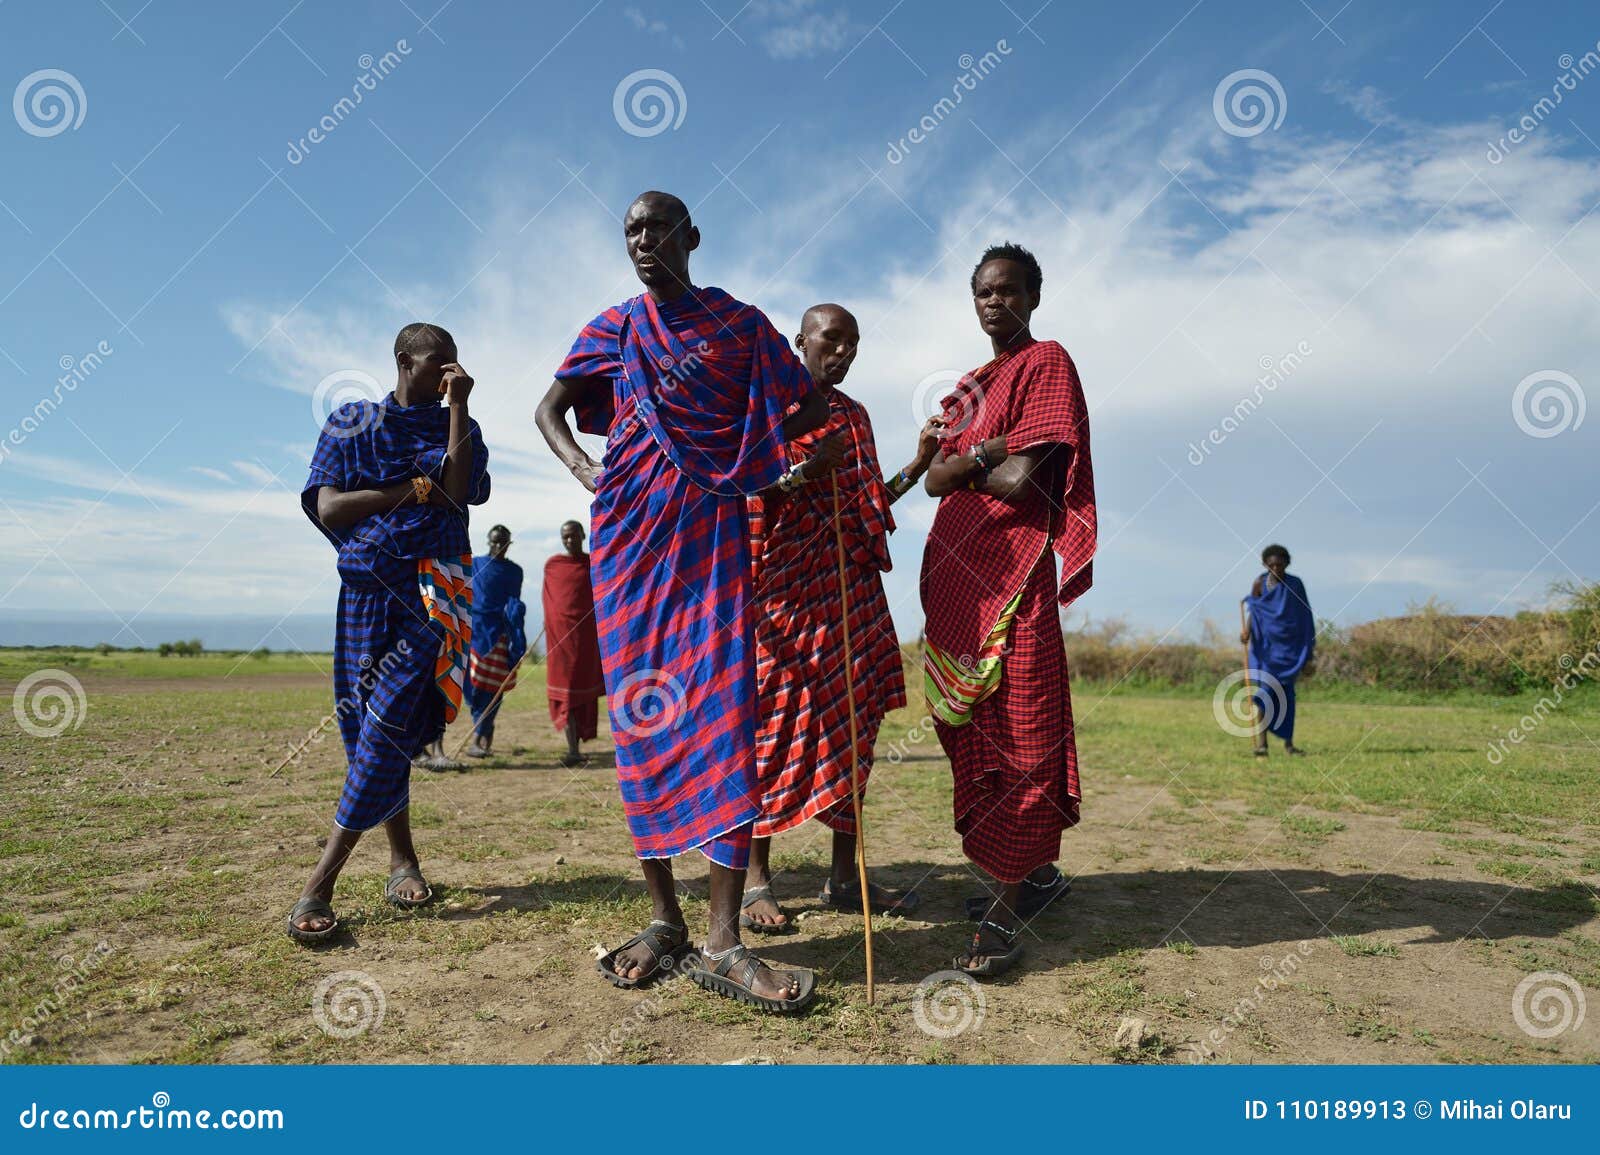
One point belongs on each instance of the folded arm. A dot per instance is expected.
(340, 510)
(1009, 477)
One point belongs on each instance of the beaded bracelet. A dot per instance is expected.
(422, 487)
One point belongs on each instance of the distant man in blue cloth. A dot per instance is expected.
(389, 487)
(1281, 634)
(499, 637)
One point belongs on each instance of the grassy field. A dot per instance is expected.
(1379, 900)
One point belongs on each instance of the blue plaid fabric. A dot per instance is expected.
(386, 699)
(698, 390)
(386, 648)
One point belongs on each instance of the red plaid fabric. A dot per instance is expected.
(574, 678)
(803, 741)
(1015, 762)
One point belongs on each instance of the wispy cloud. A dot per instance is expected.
(796, 29)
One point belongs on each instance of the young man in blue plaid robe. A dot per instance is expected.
(389, 487)
(690, 387)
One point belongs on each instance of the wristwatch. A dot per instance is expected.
(792, 480)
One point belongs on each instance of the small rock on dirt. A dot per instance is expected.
(1131, 1032)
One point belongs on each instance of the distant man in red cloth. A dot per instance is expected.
(803, 762)
(576, 683)
(1016, 488)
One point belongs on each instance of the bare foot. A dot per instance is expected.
(764, 910)
(639, 960)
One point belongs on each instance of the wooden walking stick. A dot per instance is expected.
(495, 701)
(855, 753)
(1250, 697)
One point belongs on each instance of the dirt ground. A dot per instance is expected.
(152, 855)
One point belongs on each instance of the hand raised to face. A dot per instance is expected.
(456, 384)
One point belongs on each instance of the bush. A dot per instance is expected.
(1430, 648)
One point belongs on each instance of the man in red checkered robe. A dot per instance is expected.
(803, 762)
(1017, 489)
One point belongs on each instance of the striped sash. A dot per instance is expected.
(447, 592)
(955, 684)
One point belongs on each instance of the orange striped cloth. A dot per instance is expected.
(447, 592)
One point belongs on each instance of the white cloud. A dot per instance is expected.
(795, 29)
(1422, 277)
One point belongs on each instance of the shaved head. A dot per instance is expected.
(827, 342)
(820, 316)
(664, 202)
(420, 336)
(660, 236)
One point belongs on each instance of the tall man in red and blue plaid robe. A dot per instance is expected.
(389, 487)
(690, 388)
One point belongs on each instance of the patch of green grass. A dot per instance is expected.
(1358, 946)
(1312, 826)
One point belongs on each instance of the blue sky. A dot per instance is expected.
(1409, 272)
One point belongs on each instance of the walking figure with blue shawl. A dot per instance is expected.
(1281, 634)
(389, 487)
(690, 388)
(499, 637)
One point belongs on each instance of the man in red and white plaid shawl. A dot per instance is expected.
(1016, 488)
(690, 387)
(803, 758)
